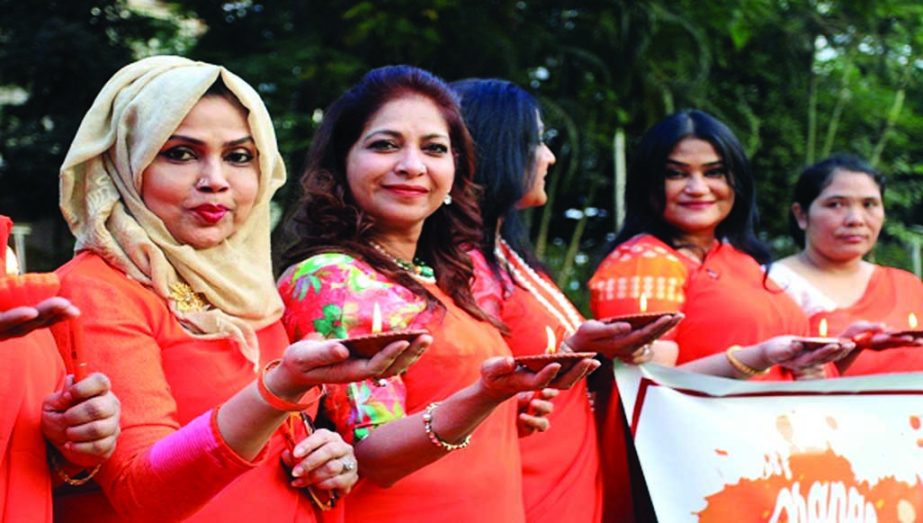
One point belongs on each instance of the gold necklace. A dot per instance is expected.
(186, 299)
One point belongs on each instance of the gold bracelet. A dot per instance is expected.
(740, 366)
(434, 438)
(75, 481)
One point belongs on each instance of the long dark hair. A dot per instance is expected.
(503, 121)
(644, 189)
(815, 178)
(327, 217)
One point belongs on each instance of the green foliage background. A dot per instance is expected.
(795, 79)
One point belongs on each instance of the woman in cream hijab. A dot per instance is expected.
(166, 188)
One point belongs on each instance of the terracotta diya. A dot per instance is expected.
(914, 334)
(816, 342)
(912, 331)
(368, 345)
(567, 360)
(641, 319)
(27, 290)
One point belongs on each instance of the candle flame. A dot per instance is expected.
(822, 328)
(376, 319)
(552, 346)
(912, 321)
(642, 303)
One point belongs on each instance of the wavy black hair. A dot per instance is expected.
(503, 120)
(644, 188)
(815, 178)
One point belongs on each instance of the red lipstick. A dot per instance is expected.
(210, 213)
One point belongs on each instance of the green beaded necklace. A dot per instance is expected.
(417, 267)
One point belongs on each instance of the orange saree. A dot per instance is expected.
(560, 467)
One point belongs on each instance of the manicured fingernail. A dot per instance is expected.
(298, 471)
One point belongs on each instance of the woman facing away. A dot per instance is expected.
(688, 245)
(387, 220)
(53, 430)
(167, 187)
(562, 479)
(837, 215)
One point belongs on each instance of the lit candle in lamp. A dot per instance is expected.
(552, 346)
(376, 319)
(78, 358)
(642, 303)
(822, 328)
(912, 321)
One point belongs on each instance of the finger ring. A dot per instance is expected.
(348, 465)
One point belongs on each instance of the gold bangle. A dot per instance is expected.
(75, 481)
(434, 438)
(740, 366)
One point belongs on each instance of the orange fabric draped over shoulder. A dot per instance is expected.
(642, 265)
(560, 467)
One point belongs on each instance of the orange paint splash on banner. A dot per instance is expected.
(822, 487)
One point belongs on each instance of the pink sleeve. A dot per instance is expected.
(182, 471)
(489, 292)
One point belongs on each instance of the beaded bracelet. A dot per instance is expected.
(75, 481)
(278, 403)
(740, 366)
(434, 438)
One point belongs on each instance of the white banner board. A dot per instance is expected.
(721, 450)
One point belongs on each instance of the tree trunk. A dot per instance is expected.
(618, 160)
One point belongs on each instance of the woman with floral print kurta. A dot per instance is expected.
(388, 181)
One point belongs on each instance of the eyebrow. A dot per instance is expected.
(396, 134)
(232, 143)
(709, 164)
(847, 197)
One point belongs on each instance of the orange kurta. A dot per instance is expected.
(171, 462)
(560, 467)
(726, 301)
(891, 295)
(333, 294)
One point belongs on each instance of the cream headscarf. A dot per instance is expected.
(131, 118)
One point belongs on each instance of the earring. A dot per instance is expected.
(448, 199)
